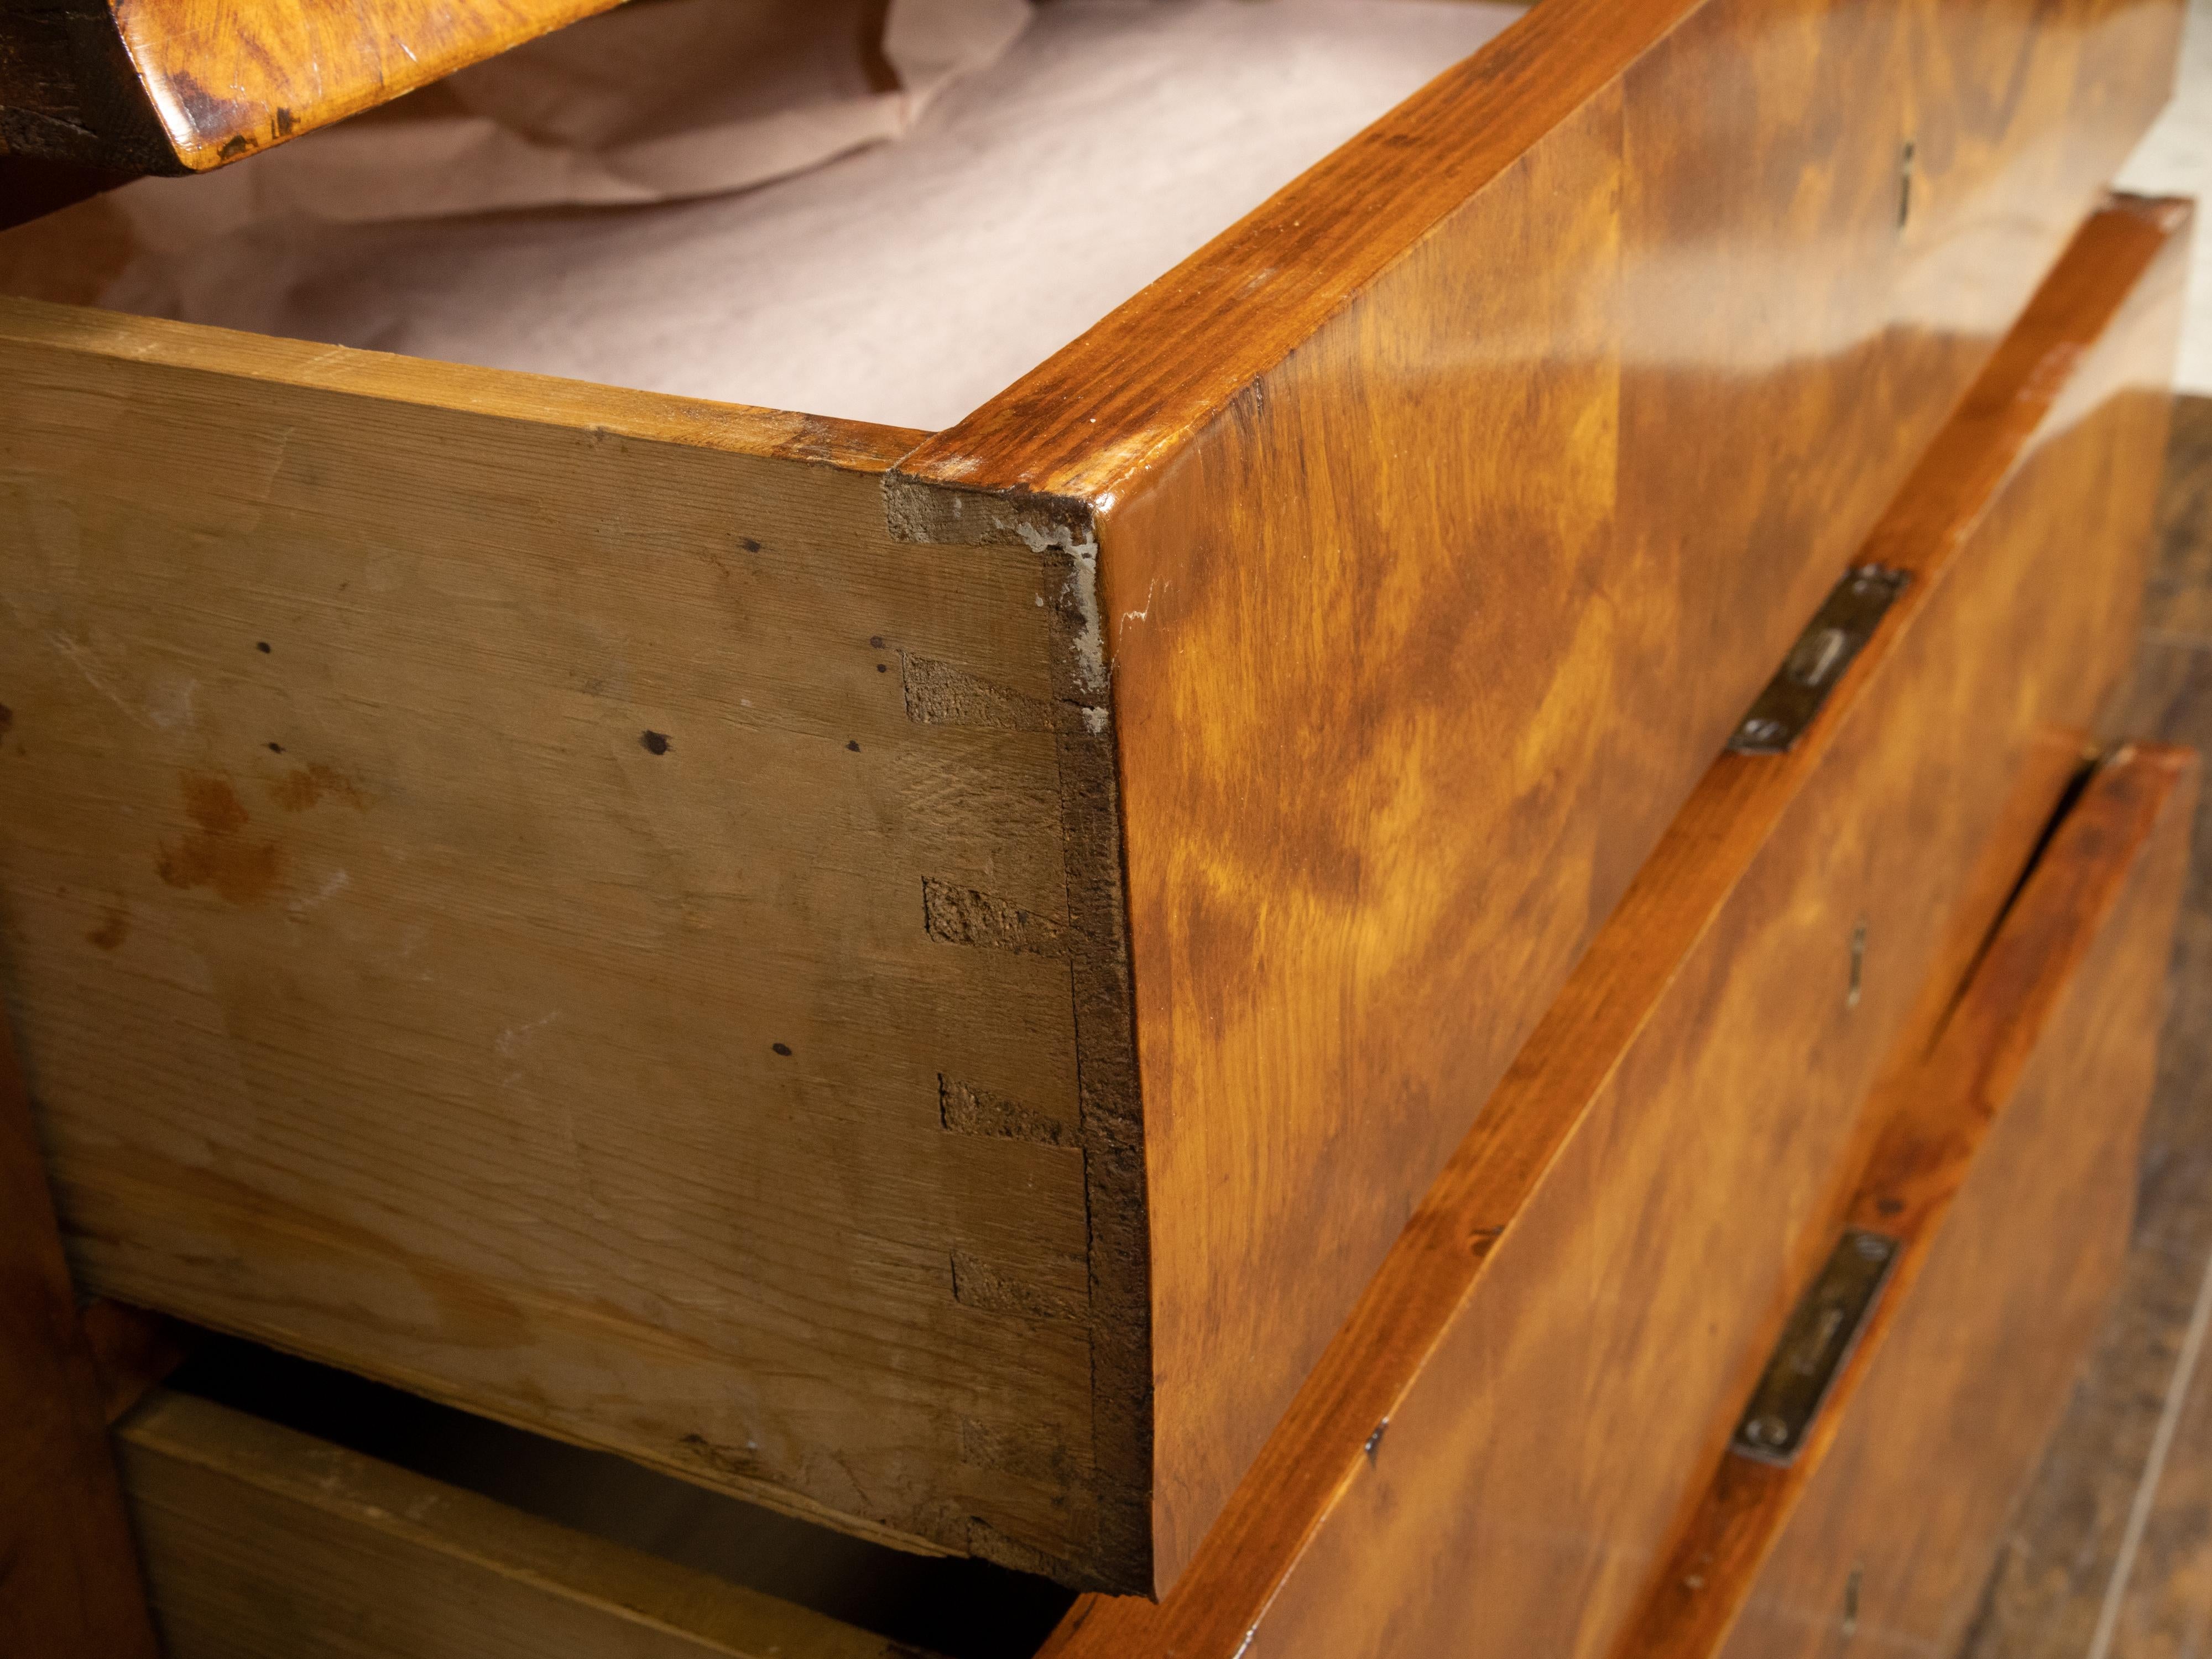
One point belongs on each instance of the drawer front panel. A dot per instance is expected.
(1499, 1444)
(1644, 1278)
(1447, 512)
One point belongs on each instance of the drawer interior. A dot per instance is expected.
(904, 283)
(237, 1413)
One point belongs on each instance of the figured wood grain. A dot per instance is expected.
(69, 1575)
(1964, 1363)
(1444, 514)
(265, 1543)
(181, 86)
(1493, 1451)
(467, 843)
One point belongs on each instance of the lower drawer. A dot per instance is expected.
(1895, 1536)
(1865, 1487)
(260, 1539)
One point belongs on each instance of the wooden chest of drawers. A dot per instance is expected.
(920, 977)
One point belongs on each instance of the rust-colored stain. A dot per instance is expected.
(218, 853)
(7, 719)
(295, 791)
(113, 929)
(214, 806)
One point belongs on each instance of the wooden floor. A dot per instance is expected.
(2111, 1554)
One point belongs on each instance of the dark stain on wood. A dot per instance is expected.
(218, 853)
(297, 791)
(113, 929)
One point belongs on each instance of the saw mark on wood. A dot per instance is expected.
(976, 1283)
(967, 1111)
(962, 916)
(938, 694)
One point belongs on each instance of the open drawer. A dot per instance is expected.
(916, 975)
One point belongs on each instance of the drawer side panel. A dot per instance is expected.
(562, 915)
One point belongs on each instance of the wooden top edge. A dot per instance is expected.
(1080, 427)
(500, 393)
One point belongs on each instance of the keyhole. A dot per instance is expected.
(1905, 161)
(1859, 966)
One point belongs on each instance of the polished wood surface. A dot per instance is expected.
(265, 1543)
(2012, 1215)
(509, 891)
(1612, 1247)
(2117, 1527)
(1442, 515)
(181, 86)
(69, 1575)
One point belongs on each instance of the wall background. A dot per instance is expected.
(2176, 159)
